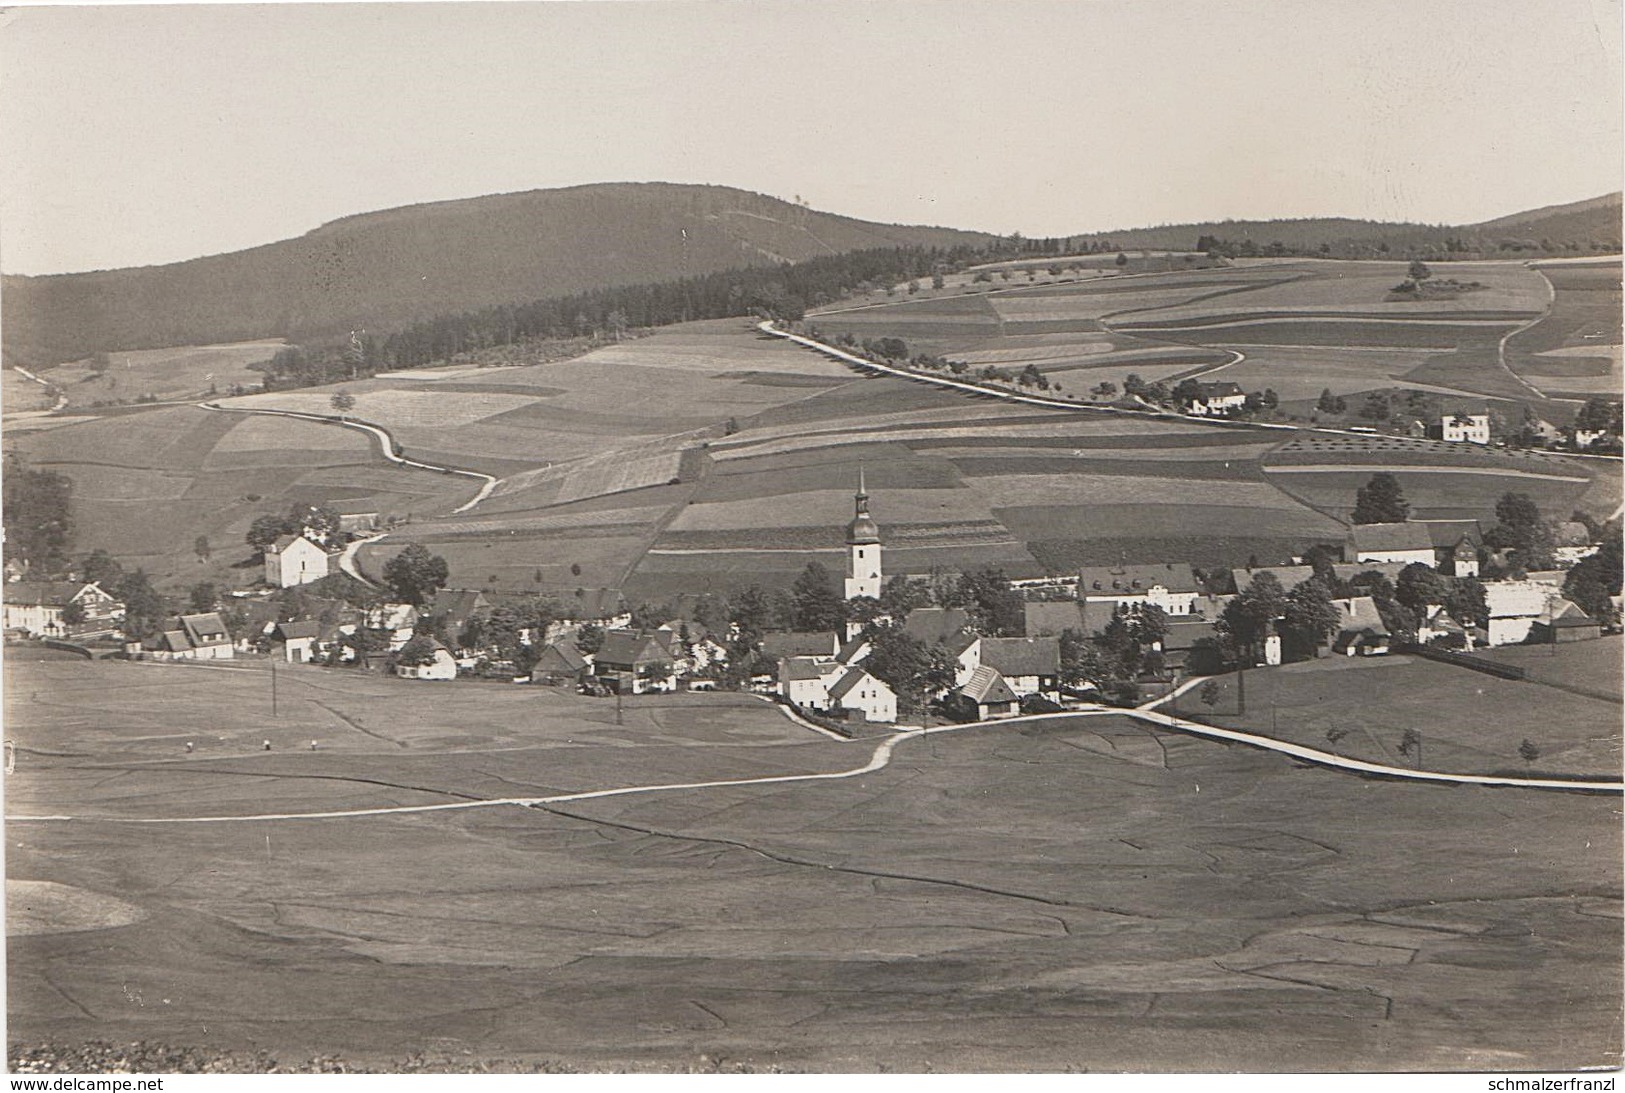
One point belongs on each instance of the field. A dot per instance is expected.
(1440, 480)
(1575, 350)
(184, 372)
(147, 484)
(1470, 722)
(1227, 909)
(19, 394)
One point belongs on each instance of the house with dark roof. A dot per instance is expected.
(1048, 619)
(982, 697)
(561, 664)
(1455, 545)
(298, 640)
(1214, 399)
(936, 625)
(208, 636)
(1029, 666)
(453, 609)
(38, 607)
(634, 662)
(1564, 621)
(1171, 586)
(1290, 576)
(604, 607)
(1405, 542)
(443, 666)
(786, 643)
(1361, 631)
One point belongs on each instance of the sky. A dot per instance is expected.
(135, 135)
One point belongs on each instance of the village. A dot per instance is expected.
(880, 649)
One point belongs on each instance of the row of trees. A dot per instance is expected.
(38, 515)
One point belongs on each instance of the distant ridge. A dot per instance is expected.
(382, 270)
(1592, 221)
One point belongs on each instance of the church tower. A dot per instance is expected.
(862, 549)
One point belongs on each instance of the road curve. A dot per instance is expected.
(881, 757)
(386, 445)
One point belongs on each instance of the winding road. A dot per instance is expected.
(881, 757)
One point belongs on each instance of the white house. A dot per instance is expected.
(293, 560)
(861, 692)
(1361, 631)
(444, 666)
(37, 607)
(1171, 586)
(1514, 608)
(398, 620)
(1406, 542)
(1584, 438)
(1463, 427)
(1217, 398)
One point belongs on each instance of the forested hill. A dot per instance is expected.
(384, 270)
(1583, 227)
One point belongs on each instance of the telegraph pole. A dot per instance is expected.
(1241, 689)
(273, 686)
(618, 718)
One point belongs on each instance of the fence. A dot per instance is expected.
(1462, 660)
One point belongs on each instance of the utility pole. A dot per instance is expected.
(1241, 689)
(273, 686)
(618, 718)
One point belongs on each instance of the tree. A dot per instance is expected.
(996, 608)
(590, 638)
(414, 574)
(1309, 616)
(37, 513)
(817, 607)
(1419, 271)
(1528, 751)
(73, 613)
(144, 609)
(343, 402)
(200, 547)
(1523, 530)
(1104, 389)
(1420, 585)
(1148, 625)
(1209, 693)
(267, 529)
(1381, 501)
(1247, 618)
(102, 568)
(1594, 580)
(418, 651)
(1122, 259)
(204, 596)
(912, 669)
(900, 595)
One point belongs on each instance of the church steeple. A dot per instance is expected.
(862, 529)
(862, 548)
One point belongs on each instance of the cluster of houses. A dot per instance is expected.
(825, 673)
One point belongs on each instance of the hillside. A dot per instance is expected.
(382, 270)
(1592, 225)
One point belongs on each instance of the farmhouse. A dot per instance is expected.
(1049, 619)
(294, 560)
(805, 681)
(1405, 542)
(38, 607)
(298, 640)
(634, 662)
(1029, 665)
(1514, 609)
(193, 637)
(1362, 631)
(454, 608)
(1217, 398)
(982, 697)
(561, 664)
(1171, 586)
(859, 692)
(1563, 621)
(399, 621)
(798, 644)
(936, 625)
(442, 666)
(1465, 427)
